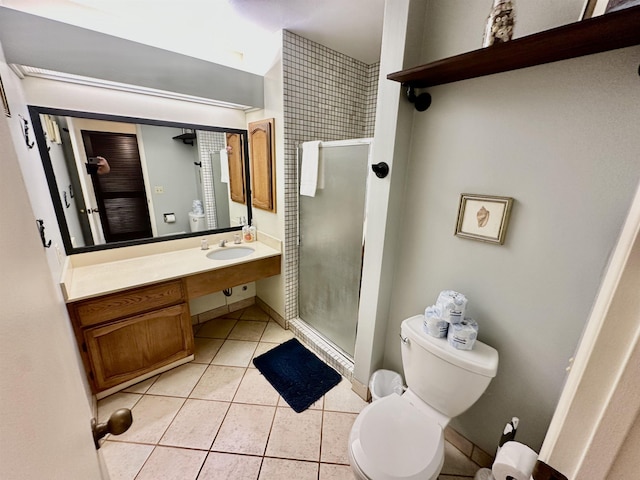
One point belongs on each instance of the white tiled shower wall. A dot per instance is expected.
(327, 96)
(209, 142)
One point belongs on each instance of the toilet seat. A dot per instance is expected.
(391, 439)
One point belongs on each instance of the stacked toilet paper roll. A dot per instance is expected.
(433, 324)
(446, 319)
(453, 305)
(514, 461)
(463, 335)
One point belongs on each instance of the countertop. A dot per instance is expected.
(86, 281)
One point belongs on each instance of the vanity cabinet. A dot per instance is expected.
(128, 334)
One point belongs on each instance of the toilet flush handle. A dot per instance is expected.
(405, 341)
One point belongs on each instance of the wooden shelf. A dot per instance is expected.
(600, 34)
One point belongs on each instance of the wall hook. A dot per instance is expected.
(25, 132)
(421, 101)
(71, 190)
(66, 202)
(40, 224)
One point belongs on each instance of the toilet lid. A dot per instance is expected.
(397, 441)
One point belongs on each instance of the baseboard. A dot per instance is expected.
(468, 448)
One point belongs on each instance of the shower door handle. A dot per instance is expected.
(380, 169)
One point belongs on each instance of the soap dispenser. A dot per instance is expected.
(253, 231)
(246, 233)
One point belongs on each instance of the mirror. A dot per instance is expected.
(120, 181)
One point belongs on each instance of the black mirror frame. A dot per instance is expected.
(36, 111)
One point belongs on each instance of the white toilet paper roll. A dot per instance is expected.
(453, 305)
(463, 335)
(433, 324)
(514, 460)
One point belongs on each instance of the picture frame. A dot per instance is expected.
(483, 217)
(594, 8)
(5, 102)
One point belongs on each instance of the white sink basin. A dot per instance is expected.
(229, 253)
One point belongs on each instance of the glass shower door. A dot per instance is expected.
(331, 245)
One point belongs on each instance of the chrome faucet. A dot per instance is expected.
(223, 243)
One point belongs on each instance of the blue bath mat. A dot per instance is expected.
(297, 374)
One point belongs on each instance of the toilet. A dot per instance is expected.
(402, 436)
(197, 222)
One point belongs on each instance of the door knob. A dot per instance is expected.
(380, 169)
(118, 423)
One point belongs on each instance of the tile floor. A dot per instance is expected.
(218, 418)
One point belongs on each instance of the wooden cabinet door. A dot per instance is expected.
(236, 167)
(262, 161)
(131, 347)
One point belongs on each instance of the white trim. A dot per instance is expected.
(346, 143)
(593, 334)
(25, 71)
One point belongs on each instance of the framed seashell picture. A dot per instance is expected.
(483, 217)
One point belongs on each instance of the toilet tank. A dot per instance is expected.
(445, 378)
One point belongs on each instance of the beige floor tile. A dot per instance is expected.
(235, 353)
(196, 424)
(114, 402)
(206, 349)
(254, 312)
(255, 389)
(124, 460)
(279, 469)
(315, 406)
(342, 399)
(274, 333)
(336, 472)
(151, 417)
(167, 463)
(245, 429)
(141, 387)
(295, 435)
(250, 330)
(220, 466)
(262, 347)
(216, 328)
(179, 381)
(335, 436)
(218, 383)
(456, 463)
(235, 314)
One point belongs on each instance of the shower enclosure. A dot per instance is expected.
(331, 243)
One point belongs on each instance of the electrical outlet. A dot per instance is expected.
(159, 189)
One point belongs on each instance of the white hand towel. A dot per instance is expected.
(309, 168)
(224, 166)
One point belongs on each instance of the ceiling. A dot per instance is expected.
(238, 33)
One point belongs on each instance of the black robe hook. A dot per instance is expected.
(25, 132)
(40, 224)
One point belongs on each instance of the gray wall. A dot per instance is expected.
(170, 165)
(562, 139)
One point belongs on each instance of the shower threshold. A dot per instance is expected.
(324, 348)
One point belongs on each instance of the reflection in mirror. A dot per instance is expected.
(120, 181)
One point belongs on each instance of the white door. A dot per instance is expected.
(45, 430)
